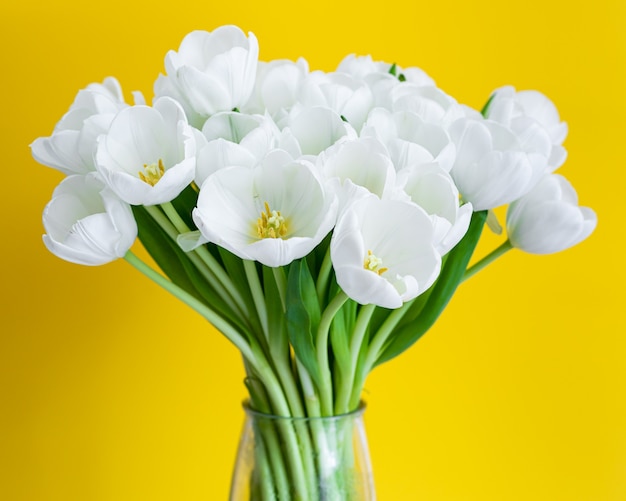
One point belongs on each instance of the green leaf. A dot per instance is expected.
(167, 255)
(393, 70)
(303, 316)
(485, 109)
(184, 204)
(315, 258)
(408, 332)
(340, 329)
(235, 270)
(276, 320)
(212, 298)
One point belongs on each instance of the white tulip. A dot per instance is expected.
(211, 72)
(310, 131)
(429, 102)
(416, 76)
(382, 252)
(148, 155)
(358, 168)
(274, 213)
(492, 167)
(548, 219)
(71, 147)
(433, 189)
(277, 87)
(409, 139)
(381, 86)
(361, 67)
(347, 96)
(86, 223)
(529, 112)
(234, 139)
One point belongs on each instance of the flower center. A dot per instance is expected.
(152, 173)
(373, 263)
(271, 224)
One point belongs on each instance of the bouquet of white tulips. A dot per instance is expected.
(320, 221)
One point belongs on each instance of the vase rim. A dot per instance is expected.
(358, 412)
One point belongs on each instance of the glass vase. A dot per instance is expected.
(303, 459)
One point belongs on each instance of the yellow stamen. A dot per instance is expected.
(271, 224)
(373, 263)
(152, 173)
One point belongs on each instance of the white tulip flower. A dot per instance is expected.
(86, 223)
(148, 155)
(382, 252)
(526, 112)
(548, 218)
(313, 130)
(382, 85)
(273, 214)
(234, 139)
(361, 67)
(433, 189)
(71, 147)
(429, 102)
(277, 87)
(358, 168)
(211, 72)
(409, 139)
(492, 166)
(347, 96)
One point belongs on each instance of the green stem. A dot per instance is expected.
(312, 403)
(342, 402)
(324, 276)
(279, 350)
(374, 350)
(487, 260)
(257, 295)
(311, 399)
(268, 443)
(200, 265)
(321, 345)
(207, 258)
(281, 285)
(214, 318)
(280, 407)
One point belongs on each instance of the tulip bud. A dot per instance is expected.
(548, 218)
(71, 146)
(211, 72)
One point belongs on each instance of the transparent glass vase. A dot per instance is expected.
(303, 459)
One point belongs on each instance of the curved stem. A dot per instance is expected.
(214, 318)
(200, 265)
(280, 407)
(487, 260)
(257, 295)
(342, 401)
(324, 276)
(266, 443)
(374, 350)
(207, 258)
(321, 345)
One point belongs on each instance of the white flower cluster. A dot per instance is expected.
(374, 153)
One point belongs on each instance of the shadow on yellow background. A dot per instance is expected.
(112, 390)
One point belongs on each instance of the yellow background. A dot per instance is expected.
(111, 390)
